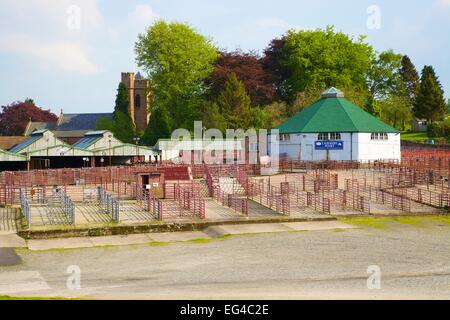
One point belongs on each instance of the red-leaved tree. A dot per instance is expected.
(249, 69)
(14, 117)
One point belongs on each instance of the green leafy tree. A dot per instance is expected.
(384, 76)
(259, 118)
(430, 103)
(178, 60)
(395, 110)
(321, 59)
(278, 112)
(158, 127)
(234, 104)
(371, 106)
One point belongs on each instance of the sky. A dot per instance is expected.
(69, 54)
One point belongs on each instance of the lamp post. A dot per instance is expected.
(136, 141)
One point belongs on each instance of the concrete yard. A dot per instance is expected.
(413, 254)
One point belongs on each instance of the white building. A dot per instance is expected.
(333, 128)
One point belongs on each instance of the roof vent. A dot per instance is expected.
(332, 93)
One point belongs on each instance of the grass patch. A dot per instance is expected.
(412, 221)
(414, 136)
(339, 230)
(199, 241)
(384, 222)
(158, 243)
(376, 223)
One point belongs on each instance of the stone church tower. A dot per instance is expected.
(140, 98)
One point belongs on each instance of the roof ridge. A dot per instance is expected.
(321, 100)
(346, 112)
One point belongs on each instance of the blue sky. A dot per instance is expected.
(45, 56)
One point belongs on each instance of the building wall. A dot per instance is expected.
(46, 141)
(379, 149)
(302, 147)
(139, 96)
(357, 147)
(108, 141)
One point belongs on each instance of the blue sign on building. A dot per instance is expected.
(329, 145)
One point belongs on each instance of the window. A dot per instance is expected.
(137, 101)
(329, 136)
(323, 136)
(335, 136)
(285, 137)
(379, 136)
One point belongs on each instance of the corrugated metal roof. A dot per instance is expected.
(27, 142)
(87, 141)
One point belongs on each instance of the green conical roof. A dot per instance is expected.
(333, 114)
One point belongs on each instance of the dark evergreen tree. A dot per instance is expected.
(430, 103)
(123, 127)
(410, 78)
(122, 100)
(234, 103)
(158, 127)
(212, 118)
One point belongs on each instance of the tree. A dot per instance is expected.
(158, 127)
(122, 125)
(430, 103)
(248, 68)
(123, 128)
(212, 118)
(29, 100)
(324, 58)
(277, 113)
(259, 118)
(384, 76)
(273, 64)
(234, 104)
(395, 110)
(15, 117)
(122, 100)
(105, 124)
(178, 60)
(410, 78)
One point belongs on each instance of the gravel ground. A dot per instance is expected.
(414, 262)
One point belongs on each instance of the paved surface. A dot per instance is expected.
(414, 261)
(212, 232)
(8, 257)
(11, 240)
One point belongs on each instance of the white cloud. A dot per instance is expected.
(269, 23)
(143, 14)
(444, 3)
(68, 56)
(53, 12)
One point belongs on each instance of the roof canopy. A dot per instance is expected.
(333, 113)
